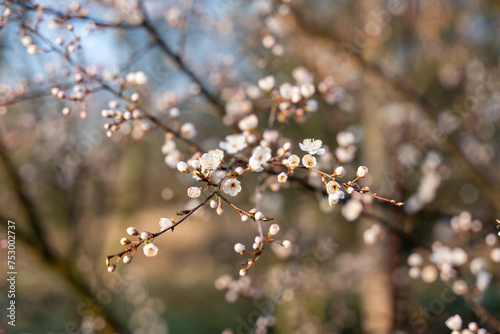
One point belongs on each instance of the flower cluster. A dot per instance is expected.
(240, 287)
(146, 238)
(257, 247)
(119, 117)
(222, 171)
(445, 261)
(455, 323)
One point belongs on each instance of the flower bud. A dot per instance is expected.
(362, 170)
(239, 170)
(286, 243)
(239, 248)
(124, 241)
(174, 112)
(339, 171)
(150, 250)
(136, 114)
(183, 167)
(132, 231)
(259, 216)
(274, 229)
(126, 259)
(145, 235)
(194, 192)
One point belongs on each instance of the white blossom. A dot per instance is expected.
(307, 90)
(165, 223)
(234, 143)
(282, 177)
(250, 122)
(188, 130)
(345, 138)
(429, 274)
(454, 322)
(296, 95)
(495, 255)
(352, 209)
(332, 187)
(312, 146)
(345, 154)
(262, 154)
(335, 197)
(231, 187)
(270, 136)
(286, 90)
(211, 160)
(150, 250)
(255, 164)
(415, 259)
(266, 83)
(309, 161)
(194, 192)
(293, 161)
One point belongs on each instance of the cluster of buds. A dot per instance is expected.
(258, 246)
(235, 288)
(330, 91)
(79, 93)
(30, 46)
(146, 238)
(291, 101)
(133, 79)
(455, 323)
(119, 117)
(446, 262)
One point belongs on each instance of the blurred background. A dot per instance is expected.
(416, 83)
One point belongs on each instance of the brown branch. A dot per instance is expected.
(105, 86)
(67, 16)
(191, 211)
(215, 100)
